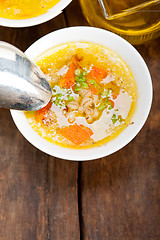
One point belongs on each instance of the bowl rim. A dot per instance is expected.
(111, 147)
(29, 22)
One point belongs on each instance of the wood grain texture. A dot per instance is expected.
(114, 198)
(24, 37)
(74, 15)
(38, 193)
(120, 194)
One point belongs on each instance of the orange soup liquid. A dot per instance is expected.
(99, 121)
(23, 9)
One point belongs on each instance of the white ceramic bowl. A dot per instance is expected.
(139, 70)
(51, 13)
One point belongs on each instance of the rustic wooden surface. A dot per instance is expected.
(114, 198)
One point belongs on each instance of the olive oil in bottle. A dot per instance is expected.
(135, 20)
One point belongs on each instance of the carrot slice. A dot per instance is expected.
(97, 74)
(87, 129)
(93, 89)
(114, 96)
(68, 81)
(41, 113)
(77, 134)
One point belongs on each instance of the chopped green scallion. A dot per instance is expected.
(93, 82)
(101, 107)
(114, 119)
(83, 79)
(84, 85)
(77, 78)
(110, 107)
(77, 87)
(56, 102)
(70, 98)
(105, 93)
(107, 100)
(80, 75)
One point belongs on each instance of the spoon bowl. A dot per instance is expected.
(23, 86)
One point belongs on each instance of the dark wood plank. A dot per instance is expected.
(120, 194)
(74, 15)
(38, 193)
(24, 37)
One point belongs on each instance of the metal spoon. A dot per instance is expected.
(23, 86)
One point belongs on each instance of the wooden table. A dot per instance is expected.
(113, 198)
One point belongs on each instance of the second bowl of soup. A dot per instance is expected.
(97, 94)
(18, 13)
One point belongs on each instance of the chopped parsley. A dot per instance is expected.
(114, 118)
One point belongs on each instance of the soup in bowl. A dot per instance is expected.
(18, 13)
(98, 102)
